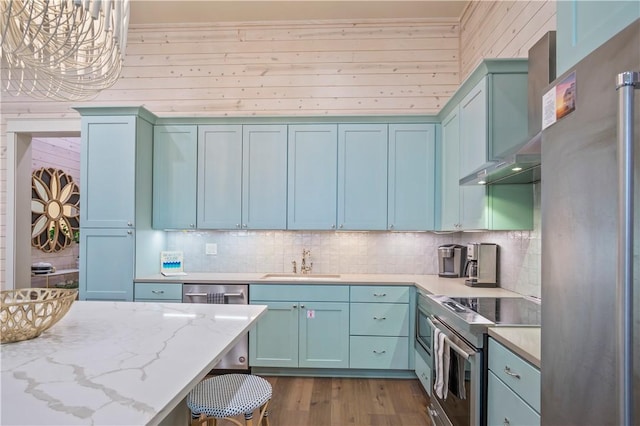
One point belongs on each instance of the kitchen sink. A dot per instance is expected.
(301, 277)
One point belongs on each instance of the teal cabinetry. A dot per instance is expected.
(312, 180)
(116, 198)
(582, 26)
(423, 368)
(175, 154)
(242, 177)
(381, 323)
(412, 177)
(305, 326)
(158, 292)
(485, 119)
(362, 176)
(219, 191)
(513, 391)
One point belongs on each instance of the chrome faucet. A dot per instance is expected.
(305, 267)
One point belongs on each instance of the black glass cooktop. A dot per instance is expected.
(503, 310)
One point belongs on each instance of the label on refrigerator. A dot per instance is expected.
(559, 101)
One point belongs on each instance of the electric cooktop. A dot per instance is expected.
(499, 310)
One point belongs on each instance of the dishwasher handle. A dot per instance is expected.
(239, 294)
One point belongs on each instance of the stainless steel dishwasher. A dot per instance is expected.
(232, 294)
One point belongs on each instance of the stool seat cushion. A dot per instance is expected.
(229, 395)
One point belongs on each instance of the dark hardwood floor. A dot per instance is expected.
(309, 401)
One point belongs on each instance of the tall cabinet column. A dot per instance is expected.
(115, 202)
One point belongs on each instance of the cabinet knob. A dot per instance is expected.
(333, 226)
(301, 306)
(341, 226)
(391, 226)
(295, 306)
(238, 225)
(130, 232)
(506, 422)
(244, 225)
(191, 225)
(129, 224)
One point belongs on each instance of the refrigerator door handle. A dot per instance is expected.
(626, 83)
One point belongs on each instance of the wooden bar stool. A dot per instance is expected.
(229, 395)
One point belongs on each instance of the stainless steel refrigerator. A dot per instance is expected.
(590, 376)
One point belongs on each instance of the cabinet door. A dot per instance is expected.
(108, 193)
(175, 154)
(362, 176)
(473, 207)
(473, 129)
(584, 25)
(412, 177)
(505, 407)
(106, 264)
(274, 340)
(450, 190)
(324, 335)
(313, 167)
(219, 177)
(264, 177)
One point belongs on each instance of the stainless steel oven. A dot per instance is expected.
(233, 294)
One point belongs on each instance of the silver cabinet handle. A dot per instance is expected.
(379, 352)
(157, 291)
(130, 232)
(244, 225)
(379, 294)
(333, 226)
(301, 306)
(238, 225)
(341, 226)
(191, 225)
(390, 226)
(379, 318)
(506, 422)
(511, 373)
(295, 306)
(129, 224)
(239, 294)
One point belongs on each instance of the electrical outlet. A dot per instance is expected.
(211, 248)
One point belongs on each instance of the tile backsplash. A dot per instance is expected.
(358, 252)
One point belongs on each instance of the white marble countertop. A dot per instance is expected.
(117, 363)
(453, 287)
(524, 341)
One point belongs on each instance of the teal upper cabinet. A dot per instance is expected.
(412, 177)
(450, 169)
(473, 128)
(264, 176)
(175, 153)
(362, 176)
(582, 26)
(108, 192)
(312, 181)
(219, 177)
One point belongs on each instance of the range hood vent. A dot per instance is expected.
(522, 164)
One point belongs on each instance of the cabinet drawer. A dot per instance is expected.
(516, 373)
(423, 371)
(504, 407)
(375, 293)
(379, 319)
(158, 291)
(379, 352)
(295, 293)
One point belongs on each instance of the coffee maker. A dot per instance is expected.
(482, 265)
(451, 260)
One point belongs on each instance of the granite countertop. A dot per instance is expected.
(524, 341)
(117, 363)
(433, 284)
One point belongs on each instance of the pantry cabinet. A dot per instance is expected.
(242, 177)
(116, 200)
(305, 327)
(412, 177)
(362, 176)
(312, 180)
(175, 161)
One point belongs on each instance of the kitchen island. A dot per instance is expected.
(117, 363)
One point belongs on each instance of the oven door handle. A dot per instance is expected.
(463, 352)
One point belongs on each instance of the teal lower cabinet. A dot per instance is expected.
(379, 352)
(380, 327)
(300, 329)
(423, 368)
(513, 390)
(158, 292)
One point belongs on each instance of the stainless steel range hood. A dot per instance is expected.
(522, 164)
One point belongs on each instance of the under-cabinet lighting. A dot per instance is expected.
(517, 169)
(482, 182)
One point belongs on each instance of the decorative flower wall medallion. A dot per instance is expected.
(55, 211)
